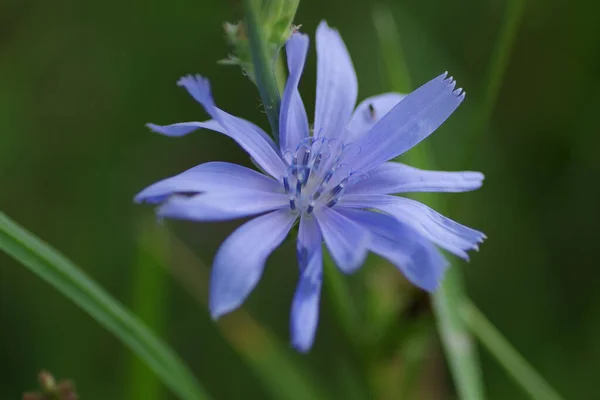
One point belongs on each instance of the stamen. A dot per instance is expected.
(298, 187)
(317, 162)
(306, 157)
(318, 193)
(286, 184)
(327, 177)
(311, 207)
(340, 186)
(293, 204)
(332, 202)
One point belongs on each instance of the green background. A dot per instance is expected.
(78, 80)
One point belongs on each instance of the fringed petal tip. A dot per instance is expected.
(474, 246)
(194, 80)
(199, 88)
(451, 82)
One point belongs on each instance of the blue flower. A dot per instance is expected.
(335, 179)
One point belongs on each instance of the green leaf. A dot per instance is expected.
(67, 278)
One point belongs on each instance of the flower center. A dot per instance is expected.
(316, 173)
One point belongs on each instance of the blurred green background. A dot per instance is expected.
(78, 80)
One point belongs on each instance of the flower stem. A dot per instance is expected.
(263, 60)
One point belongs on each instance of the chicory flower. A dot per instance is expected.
(335, 179)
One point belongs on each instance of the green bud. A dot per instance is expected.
(237, 38)
(274, 18)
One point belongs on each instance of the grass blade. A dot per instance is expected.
(149, 301)
(67, 278)
(456, 341)
(516, 366)
(495, 74)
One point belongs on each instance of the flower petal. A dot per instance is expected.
(222, 205)
(346, 240)
(393, 177)
(444, 232)
(293, 122)
(183, 128)
(249, 136)
(337, 86)
(210, 176)
(409, 122)
(240, 260)
(305, 306)
(416, 257)
(370, 111)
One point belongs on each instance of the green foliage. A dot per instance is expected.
(79, 80)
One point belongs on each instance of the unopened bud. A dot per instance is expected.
(47, 382)
(274, 17)
(50, 389)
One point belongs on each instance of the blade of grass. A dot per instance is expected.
(456, 339)
(392, 55)
(272, 361)
(149, 304)
(461, 355)
(496, 70)
(516, 366)
(67, 278)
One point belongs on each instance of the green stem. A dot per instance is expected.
(517, 367)
(263, 61)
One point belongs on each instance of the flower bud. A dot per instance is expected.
(274, 17)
